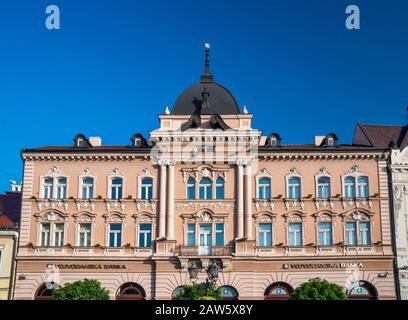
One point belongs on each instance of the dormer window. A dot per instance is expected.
(330, 140)
(138, 141)
(273, 140)
(81, 141)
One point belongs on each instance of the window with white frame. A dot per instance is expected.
(325, 234)
(295, 234)
(191, 188)
(116, 188)
(61, 188)
(48, 188)
(87, 188)
(191, 234)
(362, 187)
(45, 229)
(84, 234)
(349, 187)
(351, 233)
(357, 233)
(265, 234)
(294, 188)
(364, 233)
(219, 234)
(323, 187)
(264, 188)
(146, 191)
(115, 235)
(219, 188)
(205, 189)
(145, 235)
(59, 234)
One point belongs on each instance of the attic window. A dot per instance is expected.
(138, 142)
(330, 141)
(273, 140)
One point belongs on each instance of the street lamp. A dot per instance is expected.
(193, 271)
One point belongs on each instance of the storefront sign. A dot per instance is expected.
(343, 265)
(92, 266)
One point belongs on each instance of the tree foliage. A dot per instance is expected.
(87, 289)
(319, 289)
(199, 292)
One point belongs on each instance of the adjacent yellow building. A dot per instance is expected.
(9, 214)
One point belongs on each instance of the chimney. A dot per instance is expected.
(318, 140)
(95, 141)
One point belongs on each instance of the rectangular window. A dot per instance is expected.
(295, 234)
(191, 234)
(325, 234)
(85, 234)
(88, 188)
(115, 235)
(117, 187)
(364, 233)
(349, 188)
(45, 234)
(362, 187)
(219, 192)
(62, 188)
(219, 234)
(145, 235)
(294, 188)
(265, 234)
(59, 235)
(351, 233)
(147, 188)
(48, 188)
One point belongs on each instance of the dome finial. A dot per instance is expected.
(207, 76)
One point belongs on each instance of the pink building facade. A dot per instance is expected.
(206, 187)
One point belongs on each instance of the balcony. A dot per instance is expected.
(204, 250)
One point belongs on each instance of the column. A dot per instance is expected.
(162, 203)
(248, 202)
(170, 202)
(240, 198)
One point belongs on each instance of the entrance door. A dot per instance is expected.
(205, 237)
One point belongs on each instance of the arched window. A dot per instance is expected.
(219, 188)
(117, 187)
(88, 188)
(362, 187)
(362, 290)
(191, 188)
(264, 188)
(323, 188)
(44, 292)
(229, 293)
(176, 292)
(147, 188)
(278, 291)
(205, 189)
(61, 188)
(131, 291)
(294, 188)
(48, 187)
(349, 189)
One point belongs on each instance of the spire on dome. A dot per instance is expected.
(207, 76)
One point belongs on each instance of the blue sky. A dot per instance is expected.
(114, 65)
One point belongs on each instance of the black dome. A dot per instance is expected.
(206, 97)
(220, 100)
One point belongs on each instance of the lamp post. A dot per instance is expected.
(212, 274)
